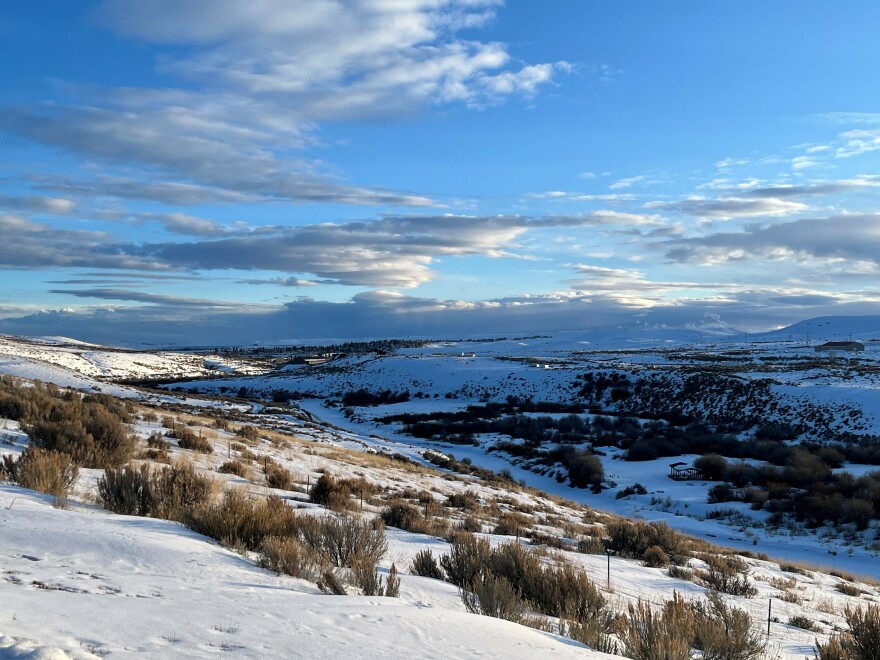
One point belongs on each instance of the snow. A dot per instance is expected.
(100, 585)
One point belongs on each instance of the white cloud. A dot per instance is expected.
(727, 208)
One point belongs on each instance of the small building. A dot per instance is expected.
(682, 471)
(840, 346)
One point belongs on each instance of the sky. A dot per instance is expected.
(221, 171)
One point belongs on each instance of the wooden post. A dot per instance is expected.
(769, 611)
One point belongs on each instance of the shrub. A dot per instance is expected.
(724, 632)
(248, 433)
(242, 521)
(712, 466)
(235, 467)
(848, 589)
(367, 579)
(632, 539)
(518, 565)
(494, 596)
(466, 559)
(634, 489)
(860, 642)
(186, 439)
(168, 492)
(803, 622)
(585, 470)
(49, 472)
(468, 500)
(345, 538)
(278, 477)
(324, 486)
(89, 433)
(727, 574)
(664, 635)
(292, 557)
(655, 557)
(511, 523)
(424, 564)
(404, 516)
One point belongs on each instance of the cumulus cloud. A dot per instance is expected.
(846, 237)
(259, 80)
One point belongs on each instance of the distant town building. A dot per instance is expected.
(841, 346)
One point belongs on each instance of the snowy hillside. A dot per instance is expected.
(59, 355)
(120, 586)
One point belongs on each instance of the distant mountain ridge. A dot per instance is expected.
(830, 328)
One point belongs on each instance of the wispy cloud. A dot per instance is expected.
(727, 208)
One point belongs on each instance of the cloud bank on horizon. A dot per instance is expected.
(213, 171)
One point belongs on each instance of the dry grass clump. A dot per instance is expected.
(50, 472)
(860, 642)
(848, 589)
(169, 492)
(235, 467)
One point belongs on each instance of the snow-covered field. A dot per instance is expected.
(118, 586)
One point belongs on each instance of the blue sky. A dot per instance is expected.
(201, 171)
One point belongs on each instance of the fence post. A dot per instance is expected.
(769, 611)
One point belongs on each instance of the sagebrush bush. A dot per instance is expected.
(666, 634)
(467, 500)
(632, 539)
(187, 439)
(322, 489)
(727, 574)
(723, 632)
(860, 642)
(88, 432)
(466, 559)
(425, 565)
(49, 472)
(292, 557)
(167, 492)
(235, 467)
(803, 622)
(655, 557)
(365, 576)
(278, 477)
(345, 538)
(243, 521)
(494, 596)
(511, 523)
